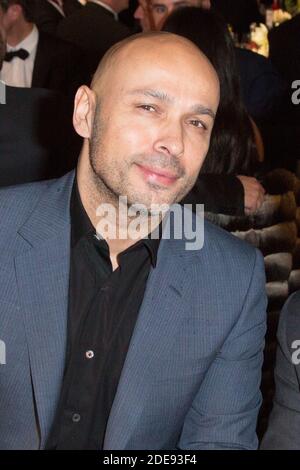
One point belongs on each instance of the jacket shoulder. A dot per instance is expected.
(289, 324)
(219, 239)
(50, 43)
(17, 202)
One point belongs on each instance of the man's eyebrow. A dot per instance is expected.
(162, 96)
(157, 94)
(200, 109)
(181, 3)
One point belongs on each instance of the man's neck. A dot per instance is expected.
(18, 33)
(92, 197)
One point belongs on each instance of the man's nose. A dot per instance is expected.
(138, 14)
(170, 140)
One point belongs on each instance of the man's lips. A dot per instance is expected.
(159, 176)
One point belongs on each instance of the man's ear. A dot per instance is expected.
(84, 111)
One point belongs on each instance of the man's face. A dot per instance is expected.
(121, 5)
(2, 45)
(153, 124)
(153, 13)
(2, 17)
(8, 17)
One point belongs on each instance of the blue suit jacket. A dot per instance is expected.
(284, 422)
(192, 373)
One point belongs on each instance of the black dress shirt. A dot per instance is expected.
(103, 309)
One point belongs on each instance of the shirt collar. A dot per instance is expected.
(152, 244)
(80, 221)
(107, 7)
(29, 43)
(81, 226)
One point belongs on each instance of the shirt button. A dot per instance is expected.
(89, 354)
(76, 418)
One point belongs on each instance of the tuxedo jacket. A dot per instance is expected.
(282, 131)
(192, 373)
(94, 30)
(58, 66)
(261, 86)
(37, 140)
(47, 17)
(285, 49)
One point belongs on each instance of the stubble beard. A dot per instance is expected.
(105, 191)
(110, 193)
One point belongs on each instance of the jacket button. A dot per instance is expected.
(89, 354)
(76, 418)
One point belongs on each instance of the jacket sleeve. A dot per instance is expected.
(224, 412)
(220, 194)
(284, 423)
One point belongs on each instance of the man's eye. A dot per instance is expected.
(147, 107)
(198, 124)
(160, 9)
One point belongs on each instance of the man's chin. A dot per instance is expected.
(151, 203)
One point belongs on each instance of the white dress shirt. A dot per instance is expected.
(18, 72)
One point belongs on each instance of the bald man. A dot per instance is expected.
(120, 331)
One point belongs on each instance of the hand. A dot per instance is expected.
(254, 194)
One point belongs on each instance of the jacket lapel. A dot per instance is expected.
(41, 64)
(43, 276)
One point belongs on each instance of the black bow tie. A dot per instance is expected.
(21, 53)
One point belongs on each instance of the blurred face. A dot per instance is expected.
(2, 45)
(153, 13)
(9, 17)
(2, 18)
(152, 127)
(121, 5)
